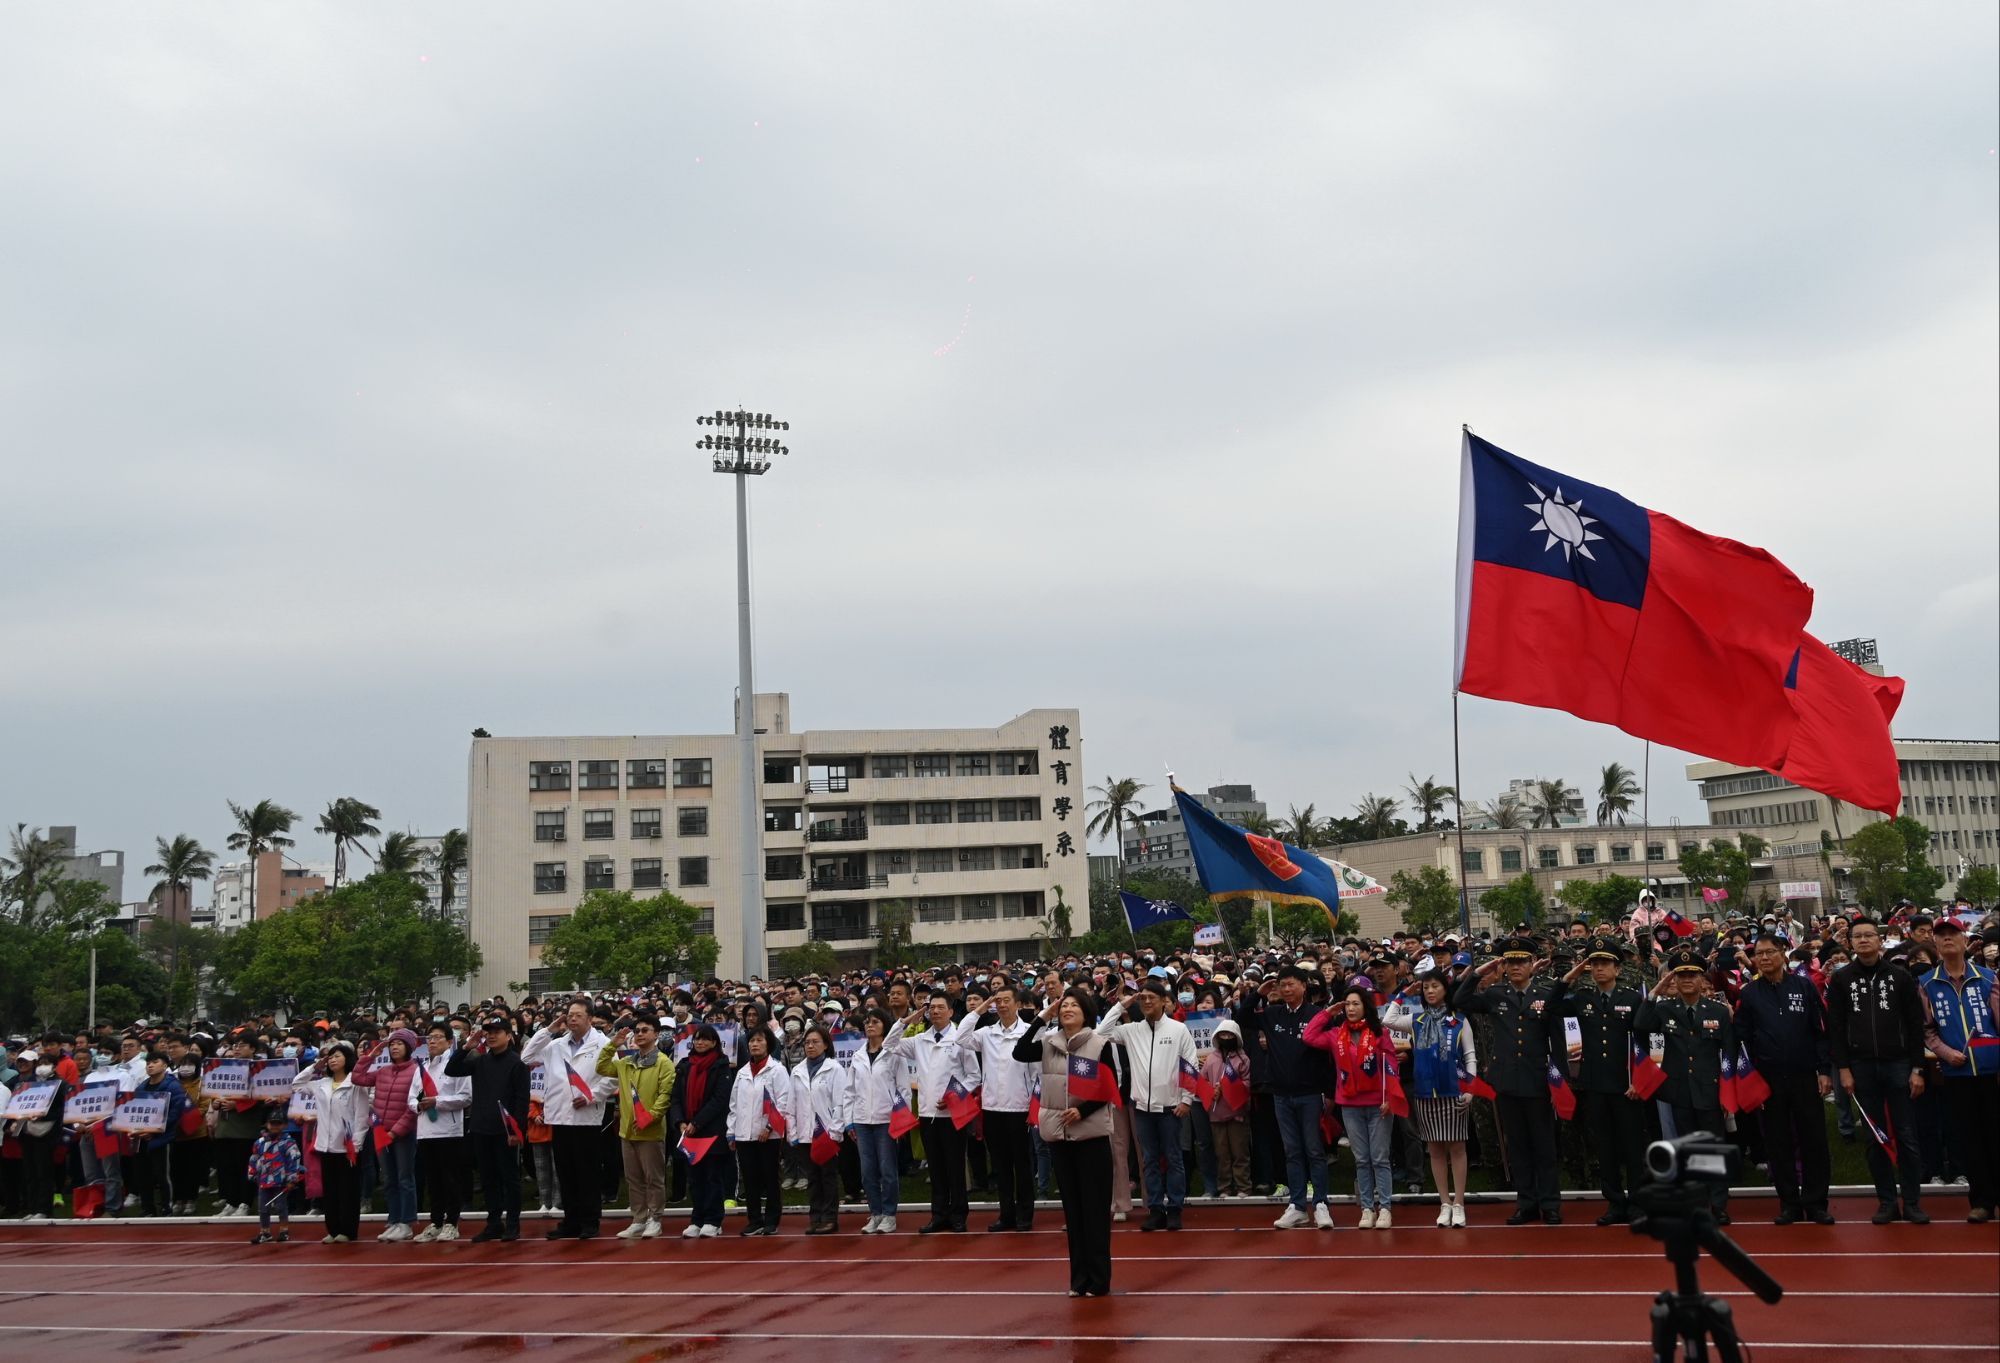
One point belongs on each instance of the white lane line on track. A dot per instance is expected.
(290, 1294)
(397, 1260)
(808, 1337)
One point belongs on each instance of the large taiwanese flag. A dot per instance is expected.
(1842, 745)
(1574, 598)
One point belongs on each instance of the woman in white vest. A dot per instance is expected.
(879, 1081)
(442, 1154)
(1077, 1131)
(823, 1098)
(762, 1086)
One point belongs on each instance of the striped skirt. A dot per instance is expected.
(1440, 1119)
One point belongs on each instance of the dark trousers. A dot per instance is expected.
(441, 1165)
(340, 1195)
(1528, 1125)
(38, 1173)
(975, 1155)
(822, 1188)
(576, 1151)
(944, 1147)
(146, 1176)
(1882, 1089)
(499, 1180)
(1794, 1120)
(1617, 1127)
(1013, 1166)
(232, 1170)
(1972, 1121)
(1691, 1119)
(187, 1166)
(760, 1184)
(1267, 1146)
(1083, 1177)
(706, 1182)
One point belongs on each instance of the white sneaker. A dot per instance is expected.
(1458, 1214)
(652, 1231)
(447, 1232)
(1368, 1218)
(403, 1233)
(1118, 1216)
(1444, 1214)
(633, 1231)
(1382, 1221)
(887, 1226)
(387, 1232)
(1292, 1219)
(428, 1234)
(868, 1227)
(710, 1232)
(691, 1232)
(1322, 1216)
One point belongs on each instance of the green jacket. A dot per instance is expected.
(652, 1085)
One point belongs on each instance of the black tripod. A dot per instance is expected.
(1677, 1215)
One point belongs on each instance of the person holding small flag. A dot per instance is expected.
(760, 1113)
(1005, 1085)
(1781, 1025)
(880, 1106)
(1442, 1055)
(1276, 1013)
(1163, 1074)
(1961, 1032)
(1527, 1045)
(339, 1128)
(698, 1113)
(1875, 1033)
(1366, 1089)
(1078, 1093)
(1612, 1109)
(496, 1120)
(645, 1080)
(942, 1061)
(1701, 1036)
(573, 1107)
(1227, 1071)
(276, 1167)
(823, 1099)
(392, 1083)
(441, 1153)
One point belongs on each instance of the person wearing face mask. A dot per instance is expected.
(699, 1111)
(41, 1136)
(149, 1154)
(1227, 1070)
(442, 1158)
(188, 1158)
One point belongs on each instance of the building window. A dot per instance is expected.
(976, 859)
(888, 767)
(1475, 863)
(646, 823)
(931, 764)
(548, 776)
(781, 771)
(1026, 858)
(549, 825)
(935, 860)
(1017, 906)
(892, 815)
(646, 773)
(784, 819)
(692, 822)
(1586, 854)
(1020, 811)
(1656, 851)
(933, 811)
(1018, 764)
(1510, 861)
(979, 906)
(541, 979)
(1621, 851)
(600, 875)
(784, 917)
(551, 877)
(646, 873)
(975, 811)
(704, 923)
(694, 871)
(541, 925)
(975, 764)
(785, 867)
(597, 776)
(1548, 857)
(937, 908)
(600, 823)
(692, 772)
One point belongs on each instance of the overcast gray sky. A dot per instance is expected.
(349, 358)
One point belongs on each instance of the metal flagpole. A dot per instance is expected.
(1458, 800)
(1646, 817)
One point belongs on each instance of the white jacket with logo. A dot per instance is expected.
(1155, 1051)
(561, 1104)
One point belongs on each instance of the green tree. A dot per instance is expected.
(1615, 792)
(31, 863)
(612, 935)
(347, 821)
(259, 829)
(186, 952)
(179, 864)
(1921, 880)
(1107, 915)
(1115, 809)
(1721, 865)
(1263, 825)
(400, 855)
(808, 958)
(1505, 814)
(1428, 896)
(1427, 800)
(1890, 861)
(447, 867)
(895, 933)
(1376, 816)
(1548, 804)
(1061, 926)
(1517, 901)
(1301, 829)
(1981, 885)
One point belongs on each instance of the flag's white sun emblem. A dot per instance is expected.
(1564, 523)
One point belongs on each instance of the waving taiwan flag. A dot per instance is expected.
(1574, 598)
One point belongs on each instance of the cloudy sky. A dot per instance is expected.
(349, 358)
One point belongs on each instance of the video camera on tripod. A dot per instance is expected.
(1675, 1200)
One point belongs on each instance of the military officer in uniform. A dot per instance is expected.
(1527, 1039)
(1610, 1107)
(1700, 1031)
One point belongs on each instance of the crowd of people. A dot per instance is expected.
(1117, 1083)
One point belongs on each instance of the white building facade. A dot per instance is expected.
(974, 831)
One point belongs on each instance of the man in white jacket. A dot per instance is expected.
(1005, 1087)
(1157, 1047)
(568, 1053)
(941, 1058)
(442, 1153)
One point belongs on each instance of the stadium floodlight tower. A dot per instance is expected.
(742, 443)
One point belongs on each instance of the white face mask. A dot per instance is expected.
(44, 1071)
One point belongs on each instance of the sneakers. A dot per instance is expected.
(399, 1233)
(692, 1232)
(1444, 1214)
(868, 1228)
(1458, 1215)
(387, 1232)
(887, 1226)
(710, 1232)
(447, 1232)
(1156, 1219)
(262, 1237)
(1916, 1215)
(1322, 1216)
(1368, 1218)
(633, 1231)
(1382, 1221)
(652, 1230)
(1118, 1216)
(1292, 1219)
(428, 1234)
(284, 1237)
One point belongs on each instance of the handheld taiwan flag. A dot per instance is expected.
(1193, 1081)
(1726, 1085)
(1235, 1088)
(1393, 1094)
(1141, 912)
(1476, 1086)
(902, 1121)
(825, 1149)
(507, 1121)
(382, 1136)
(642, 1116)
(1330, 1126)
(1090, 1081)
(1842, 745)
(961, 1103)
(1647, 1076)
(1561, 1096)
(430, 1084)
(353, 1150)
(1035, 1103)
(1884, 1138)
(1574, 598)
(1235, 864)
(773, 1118)
(695, 1147)
(86, 1201)
(1751, 1087)
(579, 1087)
(1677, 924)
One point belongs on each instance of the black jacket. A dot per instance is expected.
(712, 1116)
(1294, 1068)
(1784, 1025)
(499, 1080)
(1875, 1013)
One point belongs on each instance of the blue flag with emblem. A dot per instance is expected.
(1235, 864)
(1141, 912)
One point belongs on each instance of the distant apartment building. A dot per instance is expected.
(973, 831)
(1159, 842)
(280, 884)
(1524, 795)
(106, 867)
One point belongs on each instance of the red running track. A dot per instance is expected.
(131, 1290)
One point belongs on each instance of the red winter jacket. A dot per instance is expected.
(389, 1084)
(1362, 1061)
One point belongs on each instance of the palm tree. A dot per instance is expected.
(1301, 830)
(1377, 814)
(1615, 792)
(1115, 810)
(1263, 825)
(260, 829)
(179, 864)
(1505, 813)
(32, 860)
(1427, 800)
(447, 866)
(399, 855)
(347, 821)
(1551, 802)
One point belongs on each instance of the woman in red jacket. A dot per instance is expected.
(393, 1082)
(1364, 1063)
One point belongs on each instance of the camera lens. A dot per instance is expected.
(1660, 1160)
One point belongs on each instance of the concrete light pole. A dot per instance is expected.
(736, 450)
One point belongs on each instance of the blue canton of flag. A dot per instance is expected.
(1141, 912)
